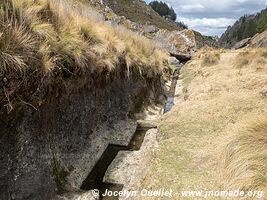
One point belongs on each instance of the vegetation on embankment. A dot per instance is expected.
(46, 40)
(216, 138)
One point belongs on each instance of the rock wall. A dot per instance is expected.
(52, 149)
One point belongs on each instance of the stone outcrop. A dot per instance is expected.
(52, 149)
(259, 40)
(245, 27)
(171, 37)
(181, 44)
(242, 43)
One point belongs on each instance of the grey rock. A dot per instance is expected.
(150, 29)
(259, 40)
(173, 61)
(242, 43)
(54, 148)
(128, 168)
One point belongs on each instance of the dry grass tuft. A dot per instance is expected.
(244, 158)
(242, 59)
(209, 56)
(65, 36)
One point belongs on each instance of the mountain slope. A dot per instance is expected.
(245, 27)
(138, 11)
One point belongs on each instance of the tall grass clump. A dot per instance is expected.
(242, 59)
(66, 37)
(17, 44)
(209, 56)
(244, 158)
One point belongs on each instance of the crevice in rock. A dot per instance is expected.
(95, 178)
(183, 58)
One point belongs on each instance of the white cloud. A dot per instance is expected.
(208, 26)
(213, 16)
(208, 22)
(192, 8)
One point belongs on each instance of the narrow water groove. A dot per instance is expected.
(170, 99)
(95, 178)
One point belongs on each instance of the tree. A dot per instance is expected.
(163, 10)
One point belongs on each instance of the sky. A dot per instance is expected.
(212, 17)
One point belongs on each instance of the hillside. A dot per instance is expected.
(246, 27)
(214, 139)
(138, 11)
(138, 17)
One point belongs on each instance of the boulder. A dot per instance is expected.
(173, 61)
(176, 42)
(150, 29)
(242, 43)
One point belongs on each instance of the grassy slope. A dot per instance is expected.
(62, 34)
(220, 96)
(44, 40)
(137, 11)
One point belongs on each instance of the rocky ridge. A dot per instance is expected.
(246, 27)
(171, 37)
(258, 41)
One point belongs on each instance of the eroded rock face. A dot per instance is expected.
(54, 148)
(259, 40)
(182, 42)
(230, 37)
(176, 42)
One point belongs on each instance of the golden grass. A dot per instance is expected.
(251, 57)
(244, 158)
(208, 55)
(219, 98)
(62, 34)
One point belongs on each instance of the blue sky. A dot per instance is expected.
(212, 17)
